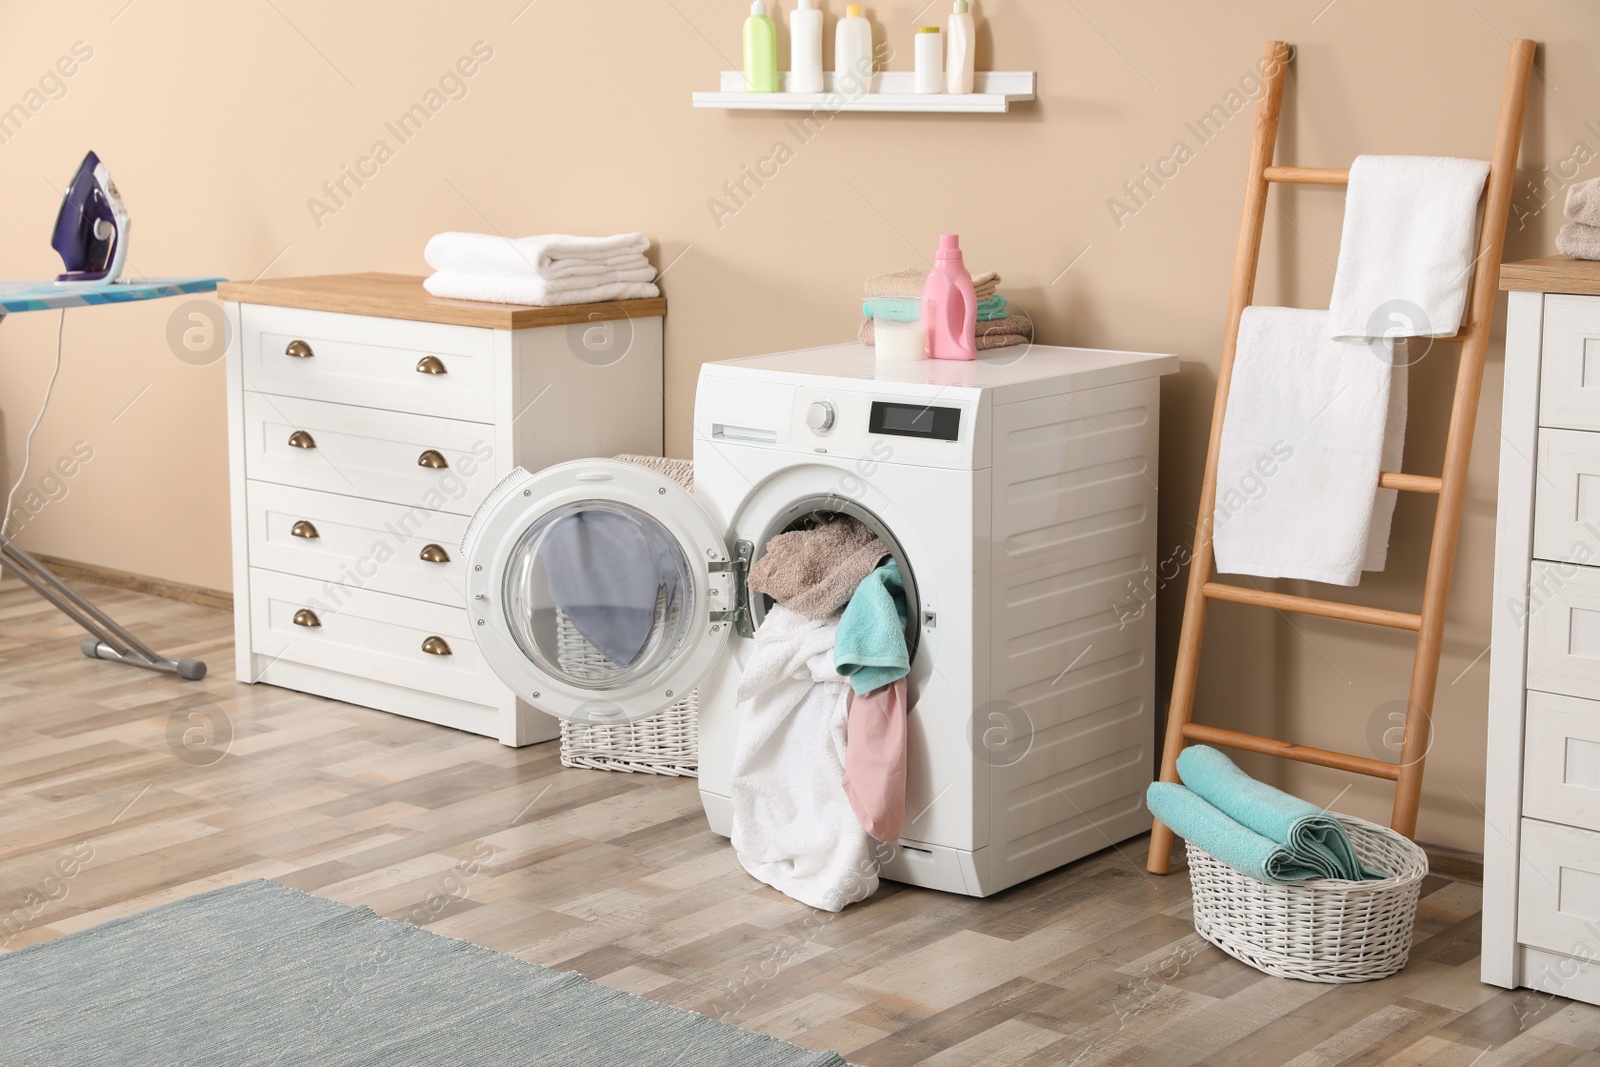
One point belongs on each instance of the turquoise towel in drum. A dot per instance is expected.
(1314, 837)
(870, 646)
(1240, 847)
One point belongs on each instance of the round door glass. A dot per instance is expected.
(599, 595)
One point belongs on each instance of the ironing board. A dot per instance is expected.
(108, 639)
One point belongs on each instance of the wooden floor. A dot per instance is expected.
(147, 789)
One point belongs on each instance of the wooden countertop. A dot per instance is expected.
(401, 296)
(1552, 274)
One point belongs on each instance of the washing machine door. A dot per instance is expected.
(599, 590)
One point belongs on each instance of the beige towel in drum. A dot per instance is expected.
(815, 572)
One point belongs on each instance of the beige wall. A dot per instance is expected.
(221, 120)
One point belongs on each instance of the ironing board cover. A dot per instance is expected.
(43, 296)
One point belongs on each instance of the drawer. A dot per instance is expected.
(1558, 897)
(369, 635)
(1564, 629)
(413, 551)
(368, 453)
(423, 367)
(1561, 760)
(1566, 523)
(1569, 363)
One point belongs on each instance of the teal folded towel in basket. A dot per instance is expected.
(1313, 836)
(1249, 853)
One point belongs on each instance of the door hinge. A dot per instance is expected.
(738, 568)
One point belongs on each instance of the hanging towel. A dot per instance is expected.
(1186, 814)
(816, 571)
(1579, 240)
(909, 283)
(1302, 446)
(793, 826)
(606, 571)
(875, 760)
(1406, 254)
(871, 646)
(1314, 837)
(1583, 203)
(555, 255)
(505, 289)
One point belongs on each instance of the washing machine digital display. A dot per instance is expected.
(915, 420)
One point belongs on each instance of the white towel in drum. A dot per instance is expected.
(793, 826)
(1407, 251)
(555, 255)
(1303, 440)
(509, 289)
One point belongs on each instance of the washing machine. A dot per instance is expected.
(1016, 492)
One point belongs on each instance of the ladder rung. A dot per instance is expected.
(1305, 605)
(1410, 483)
(1307, 175)
(1267, 746)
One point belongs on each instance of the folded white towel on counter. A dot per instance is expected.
(793, 826)
(539, 292)
(555, 255)
(1303, 443)
(1408, 247)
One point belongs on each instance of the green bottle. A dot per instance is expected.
(760, 51)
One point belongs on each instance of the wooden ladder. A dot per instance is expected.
(1450, 487)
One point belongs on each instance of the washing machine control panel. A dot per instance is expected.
(844, 422)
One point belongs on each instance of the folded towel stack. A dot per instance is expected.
(546, 271)
(908, 284)
(1257, 830)
(1580, 237)
(1014, 329)
(901, 309)
(897, 297)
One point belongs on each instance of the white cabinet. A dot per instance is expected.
(1541, 880)
(367, 421)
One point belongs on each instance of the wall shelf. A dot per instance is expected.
(995, 92)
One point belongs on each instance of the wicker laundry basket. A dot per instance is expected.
(1329, 930)
(665, 743)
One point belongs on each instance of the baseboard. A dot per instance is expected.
(1459, 864)
(73, 571)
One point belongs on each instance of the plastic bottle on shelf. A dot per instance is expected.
(760, 51)
(852, 52)
(805, 48)
(929, 61)
(950, 305)
(959, 69)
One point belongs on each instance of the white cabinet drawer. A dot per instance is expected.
(370, 635)
(368, 453)
(1558, 904)
(1566, 524)
(1569, 371)
(1561, 760)
(1564, 629)
(425, 367)
(410, 551)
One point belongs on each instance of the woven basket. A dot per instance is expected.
(665, 743)
(1329, 930)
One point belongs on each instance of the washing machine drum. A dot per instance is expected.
(600, 590)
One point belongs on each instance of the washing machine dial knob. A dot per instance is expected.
(820, 416)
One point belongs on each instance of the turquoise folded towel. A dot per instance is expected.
(869, 647)
(1249, 853)
(1309, 832)
(898, 309)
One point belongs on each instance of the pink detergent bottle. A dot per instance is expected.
(949, 305)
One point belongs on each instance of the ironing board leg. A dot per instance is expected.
(108, 640)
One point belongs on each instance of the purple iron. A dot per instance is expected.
(92, 228)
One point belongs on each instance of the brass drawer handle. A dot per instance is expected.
(299, 350)
(304, 529)
(432, 459)
(434, 554)
(301, 439)
(431, 365)
(306, 617)
(436, 646)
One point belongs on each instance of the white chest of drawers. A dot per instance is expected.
(366, 421)
(1541, 882)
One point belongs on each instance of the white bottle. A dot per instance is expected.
(963, 53)
(852, 53)
(805, 48)
(929, 56)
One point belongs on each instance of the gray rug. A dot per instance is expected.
(258, 974)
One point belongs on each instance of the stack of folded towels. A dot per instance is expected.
(1580, 237)
(897, 297)
(1257, 830)
(542, 271)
